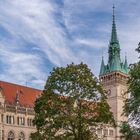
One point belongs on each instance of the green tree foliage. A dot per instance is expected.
(131, 130)
(72, 101)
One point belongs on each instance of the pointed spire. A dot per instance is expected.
(125, 59)
(114, 60)
(126, 64)
(114, 38)
(102, 66)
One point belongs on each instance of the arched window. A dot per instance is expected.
(21, 136)
(11, 136)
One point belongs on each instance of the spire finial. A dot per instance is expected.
(125, 63)
(125, 54)
(125, 57)
(102, 66)
(113, 14)
(113, 10)
(114, 38)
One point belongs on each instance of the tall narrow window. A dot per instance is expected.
(2, 118)
(30, 122)
(7, 119)
(2, 134)
(18, 120)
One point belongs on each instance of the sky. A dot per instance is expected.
(37, 35)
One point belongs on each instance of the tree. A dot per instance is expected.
(72, 103)
(131, 130)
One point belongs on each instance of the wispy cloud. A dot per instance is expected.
(93, 43)
(36, 35)
(91, 22)
(32, 27)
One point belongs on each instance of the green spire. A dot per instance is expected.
(114, 47)
(114, 38)
(114, 60)
(126, 65)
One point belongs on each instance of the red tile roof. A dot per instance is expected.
(27, 96)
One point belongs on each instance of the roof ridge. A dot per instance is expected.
(19, 85)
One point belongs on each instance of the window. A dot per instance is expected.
(99, 131)
(10, 136)
(1, 117)
(2, 134)
(21, 136)
(105, 132)
(30, 122)
(20, 120)
(9, 119)
(110, 132)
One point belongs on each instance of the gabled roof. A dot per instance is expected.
(27, 95)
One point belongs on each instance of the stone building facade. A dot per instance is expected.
(16, 111)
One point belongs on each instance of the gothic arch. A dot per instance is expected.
(10, 135)
(21, 136)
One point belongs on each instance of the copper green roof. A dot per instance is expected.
(102, 67)
(114, 60)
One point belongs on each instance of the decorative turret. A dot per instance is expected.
(126, 65)
(102, 66)
(18, 96)
(114, 60)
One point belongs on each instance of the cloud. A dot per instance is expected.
(94, 43)
(89, 22)
(35, 23)
(37, 35)
(32, 27)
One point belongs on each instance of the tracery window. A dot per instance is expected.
(9, 119)
(21, 136)
(30, 122)
(20, 120)
(11, 136)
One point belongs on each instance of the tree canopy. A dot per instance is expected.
(72, 104)
(131, 130)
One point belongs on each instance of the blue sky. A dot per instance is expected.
(37, 35)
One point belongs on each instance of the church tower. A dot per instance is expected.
(114, 76)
